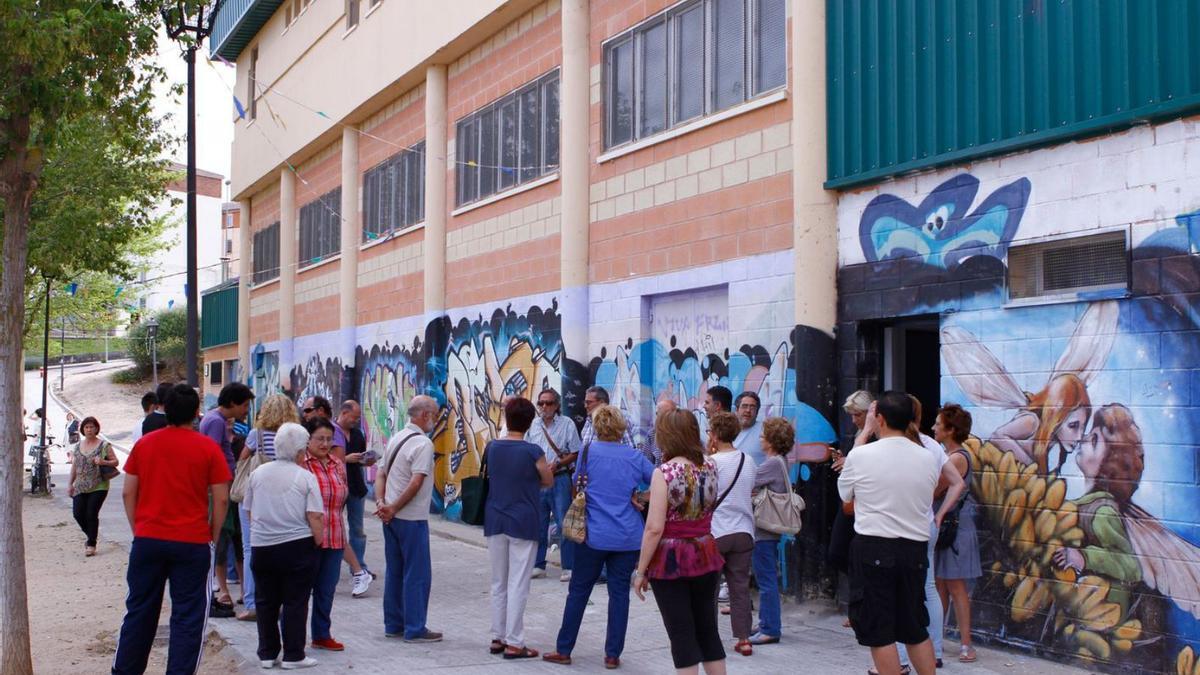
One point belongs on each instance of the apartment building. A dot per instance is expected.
(976, 202)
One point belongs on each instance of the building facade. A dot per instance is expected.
(795, 199)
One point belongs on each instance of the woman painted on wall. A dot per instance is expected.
(1054, 417)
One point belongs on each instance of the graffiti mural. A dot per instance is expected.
(318, 376)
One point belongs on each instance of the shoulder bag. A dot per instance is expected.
(107, 472)
(948, 532)
(473, 492)
(574, 526)
(778, 512)
(245, 467)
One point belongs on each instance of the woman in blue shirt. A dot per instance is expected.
(612, 472)
(516, 473)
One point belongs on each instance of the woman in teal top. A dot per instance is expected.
(611, 472)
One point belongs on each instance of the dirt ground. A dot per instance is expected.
(76, 604)
(118, 407)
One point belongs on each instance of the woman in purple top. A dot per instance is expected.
(612, 473)
(679, 557)
(516, 473)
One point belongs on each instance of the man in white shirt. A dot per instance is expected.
(559, 439)
(891, 484)
(593, 398)
(749, 439)
(403, 491)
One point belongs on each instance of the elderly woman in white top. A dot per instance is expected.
(733, 521)
(287, 518)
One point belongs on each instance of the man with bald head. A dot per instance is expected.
(652, 452)
(403, 493)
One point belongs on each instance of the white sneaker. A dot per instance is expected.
(362, 581)
(268, 664)
(565, 576)
(538, 573)
(723, 595)
(308, 662)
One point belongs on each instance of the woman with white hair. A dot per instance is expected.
(856, 406)
(287, 518)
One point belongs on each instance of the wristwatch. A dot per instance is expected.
(635, 575)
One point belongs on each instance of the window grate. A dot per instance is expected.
(1067, 266)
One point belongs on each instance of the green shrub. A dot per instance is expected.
(132, 375)
(172, 345)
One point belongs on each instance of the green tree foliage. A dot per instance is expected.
(170, 344)
(62, 63)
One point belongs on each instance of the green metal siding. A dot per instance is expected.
(235, 23)
(219, 317)
(919, 83)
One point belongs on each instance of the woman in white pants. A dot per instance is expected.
(516, 473)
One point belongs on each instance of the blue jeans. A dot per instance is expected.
(354, 527)
(766, 570)
(152, 563)
(247, 575)
(329, 566)
(589, 562)
(933, 605)
(556, 499)
(408, 577)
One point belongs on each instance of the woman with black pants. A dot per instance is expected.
(287, 517)
(88, 489)
(679, 557)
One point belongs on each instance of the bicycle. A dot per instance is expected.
(39, 472)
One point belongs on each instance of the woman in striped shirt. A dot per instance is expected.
(331, 478)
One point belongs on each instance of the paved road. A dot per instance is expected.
(814, 640)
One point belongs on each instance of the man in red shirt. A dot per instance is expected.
(168, 477)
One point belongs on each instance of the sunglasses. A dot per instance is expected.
(543, 404)
(308, 410)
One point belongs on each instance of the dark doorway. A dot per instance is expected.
(912, 363)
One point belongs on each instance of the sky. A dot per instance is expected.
(214, 107)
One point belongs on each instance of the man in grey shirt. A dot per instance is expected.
(558, 438)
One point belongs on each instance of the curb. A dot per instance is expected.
(63, 404)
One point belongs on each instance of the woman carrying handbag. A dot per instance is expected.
(93, 464)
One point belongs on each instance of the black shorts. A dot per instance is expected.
(887, 591)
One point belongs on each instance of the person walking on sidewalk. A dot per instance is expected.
(517, 471)
(611, 472)
(87, 487)
(275, 411)
(679, 557)
(357, 459)
(403, 494)
(331, 478)
(168, 478)
(287, 516)
(733, 521)
(559, 440)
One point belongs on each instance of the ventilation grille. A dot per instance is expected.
(1068, 266)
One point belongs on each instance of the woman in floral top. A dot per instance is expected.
(86, 487)
(331, 478)
(679, 556)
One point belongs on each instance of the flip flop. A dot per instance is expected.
(522, 653)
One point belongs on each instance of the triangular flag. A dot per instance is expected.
(170, 304)
(118, 293)
(274, 116)
(222, 60)
(241, 110)
(72, 288)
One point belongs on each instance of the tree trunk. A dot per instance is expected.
(15, 656)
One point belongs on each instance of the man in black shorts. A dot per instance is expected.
(891, 484)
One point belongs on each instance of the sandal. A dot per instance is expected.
(496, 647)
(522, 653)
(967, 654)
(89, 551)
(847, 624)
(744, 647)
(555, 657)
(904, 670)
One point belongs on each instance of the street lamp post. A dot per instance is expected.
(152, 336)
(190, 35)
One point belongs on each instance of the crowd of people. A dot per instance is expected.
(280, 505)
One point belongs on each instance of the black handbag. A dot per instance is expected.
(107, 472)
(473, 493)
(948, 533)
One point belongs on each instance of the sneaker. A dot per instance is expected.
(328, 644)
(538, 573)
(760, 638)
(427, 636)
(565, 576)
(307, 662)
(723, 595)
(362, 581)
(267, 664)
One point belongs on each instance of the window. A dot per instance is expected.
(321, 227)
(266, 253)
(214, 372)
(1068, 266)
(351, 13)
(394, 193)
(252, 84)
(696, 59)
(228, 246)
(511, 141)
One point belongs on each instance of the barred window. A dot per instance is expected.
(510, 141)
(695, 59)
(266, 253)
(394, 193)
(321, 227)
